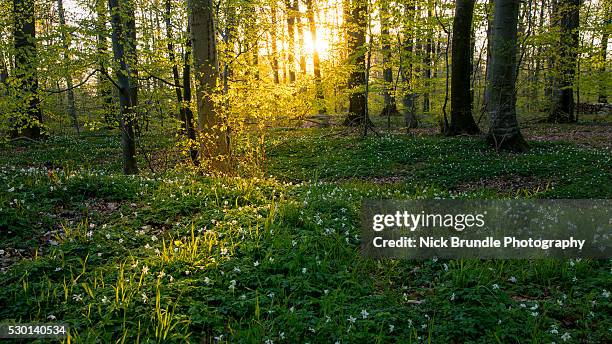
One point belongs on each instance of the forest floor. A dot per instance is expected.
(179, 256)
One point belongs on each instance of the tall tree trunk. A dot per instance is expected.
(485, 92)
(228, 40)
(316, 63)
(29, 122)
(504, 132)
(291, 6)
(175, 72)
(104, 87)
(215, 141)
(300, 32)
(390, 107)
(186, 104)
(462, 121)
(538, 58)
(602, 90)
(69, 85)
(356, 84)
(563, 106)
(408, 95)
(274, 43)
(427, 57)
(124, 52)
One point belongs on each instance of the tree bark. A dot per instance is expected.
(215, 142)
(462, 121)
(390, 106)
(104, 87)
(291, 7)
(124, 52)
(175, 72)
(300, 32)
(29, 122)
(316, 63)
(186, 104)
(602, 90)
(273, 39)
(504, 132)
(408, 96)
(563, 106)
(69, 85)
(356, 84)
(427, 58)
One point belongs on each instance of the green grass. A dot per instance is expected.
(179, 257)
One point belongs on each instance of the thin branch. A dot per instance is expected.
(151, 76)
(74, 86)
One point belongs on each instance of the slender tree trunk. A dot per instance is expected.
(504, 132)
(29, 122)
(485, 92)
(427, 57)
(316, 63)
(228, 40)
(408, 96)
(274, 43)
(124, 52)
(3, 76)
(291, 6)
(186, 104)
(356, 84)
(563, 106)
(104, 87)
(535, 96)
(602, 90)
(390, 107)
(215, 142)
(300, 32)
(66, 46)
(462, 121)
(175, 72)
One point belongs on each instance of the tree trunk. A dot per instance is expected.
(300, 32)
(124, 52)
(316, 63)
(504, 132)
(602, 90)
(104, 87)
(29, 122)
(563, 106)
(186, 104)
(427, 58)
(406, 66)
(485, 92)
(291, 6)
(273, 39)
(462, 121)
(215, 143)
(356, 84)
(390, 107)
(175, 72)
(66, 56)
